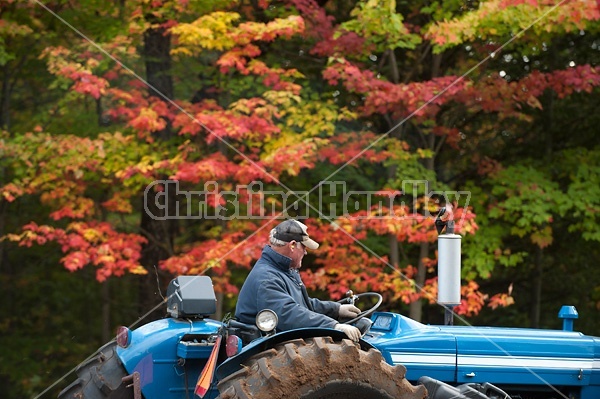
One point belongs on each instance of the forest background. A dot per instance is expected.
(105, 106)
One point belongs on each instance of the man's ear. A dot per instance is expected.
(292, 244)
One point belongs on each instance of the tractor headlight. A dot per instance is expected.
(123, 336)
(266, 320)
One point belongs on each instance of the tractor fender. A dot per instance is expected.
(234, 363)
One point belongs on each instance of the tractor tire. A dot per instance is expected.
(100, 377)
(319, 368)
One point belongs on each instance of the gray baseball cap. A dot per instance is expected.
(293, 230)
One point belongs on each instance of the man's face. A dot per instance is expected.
(297, 252)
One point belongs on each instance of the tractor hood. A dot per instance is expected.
(477, 354)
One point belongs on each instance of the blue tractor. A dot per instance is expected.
(188, 354)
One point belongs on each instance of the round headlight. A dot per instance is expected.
(123, 336)
(266, 320)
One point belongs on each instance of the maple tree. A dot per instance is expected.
(432, 108)
(255, 133)
(405, 101)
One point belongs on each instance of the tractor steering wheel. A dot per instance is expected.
(365, 313)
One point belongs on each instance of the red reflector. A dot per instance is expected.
(123, 336)
(233, 346)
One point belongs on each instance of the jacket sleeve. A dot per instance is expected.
(291, 313)
(329, 308)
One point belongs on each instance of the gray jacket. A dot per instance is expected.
(272, 285)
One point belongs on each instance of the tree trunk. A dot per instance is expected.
(537, 280)
(394, 252)
(6, 268)
(157, 48)
(5, 98)
(537, 290)
(392, 240)
(106, 324)
(416, 307)
(157, 230)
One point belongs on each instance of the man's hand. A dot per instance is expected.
(352, 332)
(348, 311)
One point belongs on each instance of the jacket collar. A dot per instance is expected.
(282, 262)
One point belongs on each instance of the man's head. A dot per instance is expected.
(290, 238)
(292, 230)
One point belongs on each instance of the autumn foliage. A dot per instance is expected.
(256, 117)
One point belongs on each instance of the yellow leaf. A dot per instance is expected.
(90, 235)
(138, 270)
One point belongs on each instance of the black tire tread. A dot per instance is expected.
(99, 377)
(318, 368)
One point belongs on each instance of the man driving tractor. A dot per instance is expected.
(275, 283)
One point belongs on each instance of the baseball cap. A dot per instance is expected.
(293, 230)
